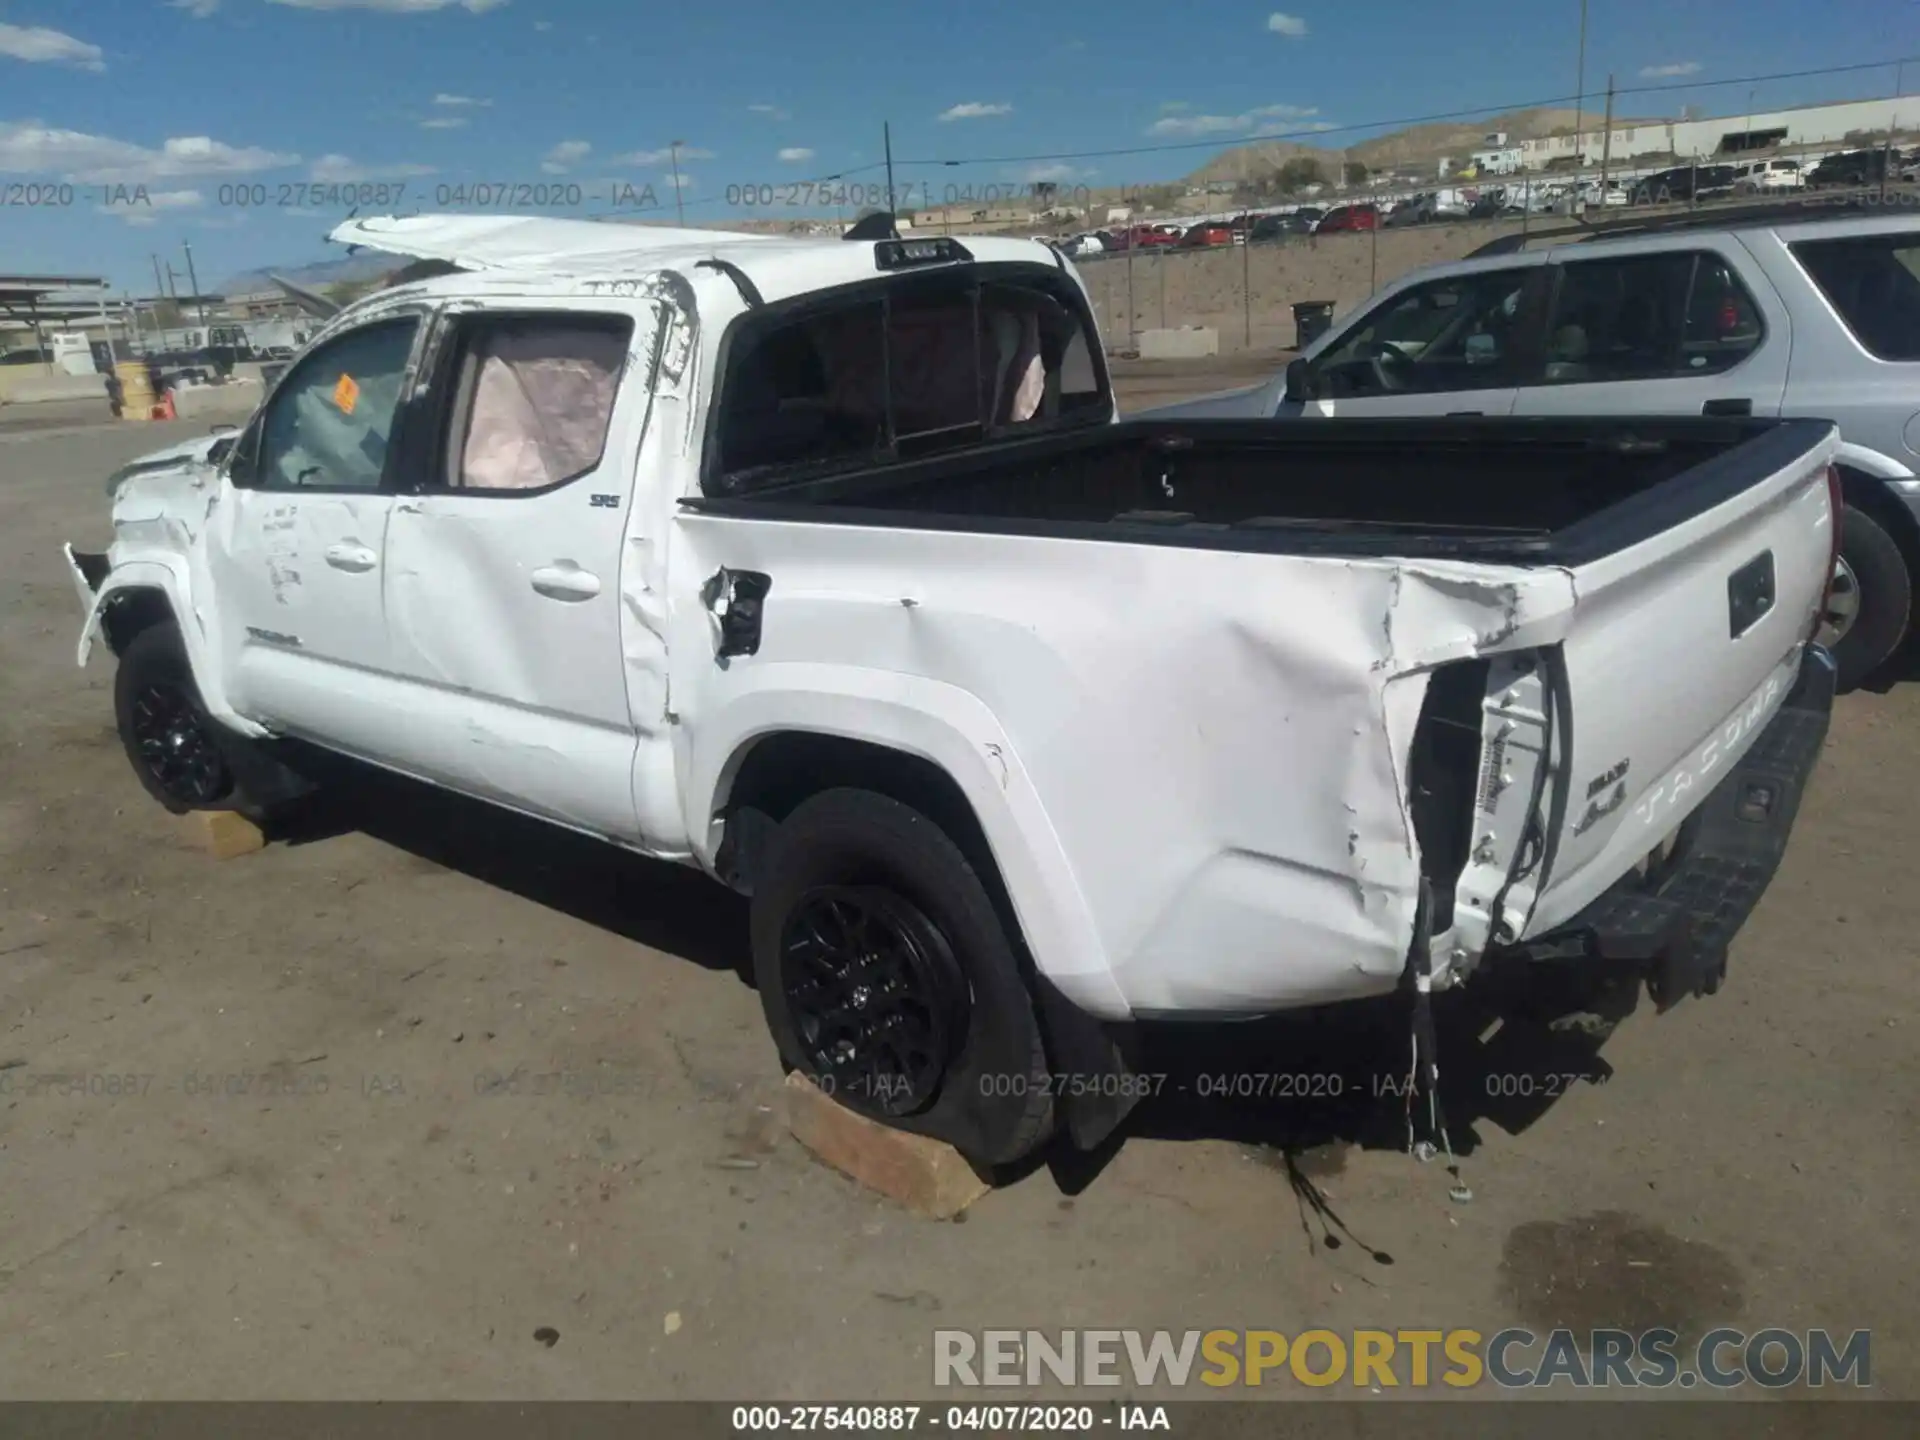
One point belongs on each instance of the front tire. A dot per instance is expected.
(1871, 601)
(170, 739)
(888, 980)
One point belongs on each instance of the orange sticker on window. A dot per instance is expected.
(346, 394)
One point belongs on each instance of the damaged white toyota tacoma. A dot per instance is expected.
(828, 567)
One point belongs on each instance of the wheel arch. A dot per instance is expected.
(139, 594)
(1865, 490)
(969, 783)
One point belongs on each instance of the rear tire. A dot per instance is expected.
(888, 980)
(173, 744)
(1880, 599)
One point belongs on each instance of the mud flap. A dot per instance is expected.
(1092, 1066)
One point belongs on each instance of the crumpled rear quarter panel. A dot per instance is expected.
(1218, 741)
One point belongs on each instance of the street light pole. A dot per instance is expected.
(1580, 93)
(194, 281)
(673, 158)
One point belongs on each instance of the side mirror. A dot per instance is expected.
(1299, 380)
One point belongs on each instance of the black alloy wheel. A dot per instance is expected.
(876, 997)
(175, 748)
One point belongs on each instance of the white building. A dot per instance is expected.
(1848, 123)
(1504, 160)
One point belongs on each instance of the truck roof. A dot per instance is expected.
(583, 256)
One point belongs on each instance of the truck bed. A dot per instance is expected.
(1549, 491)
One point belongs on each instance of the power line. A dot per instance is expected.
(1220, 141)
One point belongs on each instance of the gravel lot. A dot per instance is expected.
(366, 1214)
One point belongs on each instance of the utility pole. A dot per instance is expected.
(173, 285)
(1580, 94)
(159, 285)
(1606, 146)
(679, 202)
(886, 144)
(1246, 280)
(193, 280)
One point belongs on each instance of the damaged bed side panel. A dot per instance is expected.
(1217, 742)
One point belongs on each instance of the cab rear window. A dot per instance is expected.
(911, 367)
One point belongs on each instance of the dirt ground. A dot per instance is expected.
(320, 1186)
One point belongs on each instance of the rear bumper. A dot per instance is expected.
(1675, 924)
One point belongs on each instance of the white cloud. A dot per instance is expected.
(48, 47)
(1057, 172)
(199, 9)
(341, 170)
(138, 208)
(1259, 118)
(29, 148)
(772, 112)
(444, 122)
(543, 24)
(443, 98)
(664, 156)
(564, 156)
(974, 110)
(794, 154)
(392, 7)
(1670, 72)
(684, 181)
(1173, 107)
(1291, 26)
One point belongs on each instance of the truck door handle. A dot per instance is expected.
(565, 581)
(1727, 407)
(349, 556)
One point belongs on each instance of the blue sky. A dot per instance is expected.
(212, 104)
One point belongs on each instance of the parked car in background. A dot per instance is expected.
(1588, 195)
(1414, 210)
(1812, 313)
(1852, 167)
(1768, 177)
(1684, 183)
(1348, 218)
(1147, 237)
(1207, 233)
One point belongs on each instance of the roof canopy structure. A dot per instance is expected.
(50, 298)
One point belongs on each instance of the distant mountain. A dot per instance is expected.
(1417, 146)
(367, 265)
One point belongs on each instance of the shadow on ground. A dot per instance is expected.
(1299, 1088)
(668, 907)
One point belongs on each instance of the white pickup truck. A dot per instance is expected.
(829, 568)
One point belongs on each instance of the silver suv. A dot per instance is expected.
(1805, 309)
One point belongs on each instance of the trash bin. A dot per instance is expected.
(1311, 320)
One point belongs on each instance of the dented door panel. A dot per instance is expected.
(509, 612)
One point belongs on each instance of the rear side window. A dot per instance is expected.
(918, 366)
(1648, 317)
(1873, 281)
(533, 400)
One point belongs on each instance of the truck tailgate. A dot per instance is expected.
(1685, 638)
